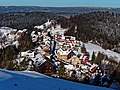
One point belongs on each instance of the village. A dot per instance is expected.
(61, 56)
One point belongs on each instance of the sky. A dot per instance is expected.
(62, 3)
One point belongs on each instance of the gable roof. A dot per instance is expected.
(63, 52)
(72, 52)
(40, 62)
(70, 67)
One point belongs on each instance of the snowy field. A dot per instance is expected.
(16, 80)
(92, 47)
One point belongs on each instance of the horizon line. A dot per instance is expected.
(58, 6)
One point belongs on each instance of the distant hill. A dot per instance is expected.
(22, 20)
(93, 23)
(60, 10)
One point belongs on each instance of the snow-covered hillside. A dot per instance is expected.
(58, 30)
(89, 46)
(27, 80)
(92, 47)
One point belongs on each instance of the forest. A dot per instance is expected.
(102, 28)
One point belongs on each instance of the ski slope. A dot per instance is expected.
(27, 80)
(92, 47)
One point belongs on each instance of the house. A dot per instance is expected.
(84, 59)
(71, 54)
(62, 37)
(46, 67)
(47, 55)
(68, 70)
(57, 37)
(67, 38)
(46, 49)
(44, 33)
(39, 49)
(93, 68)
(29, 54)
(59, 50)
(69, 67)
(61, 42)
(73, 40)
(70, 40)
(45, 38)
(75, 61)
(63, 54)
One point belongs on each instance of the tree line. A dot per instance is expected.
(103, 27)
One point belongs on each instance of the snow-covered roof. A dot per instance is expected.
(39, 56)
(42, 26)
(40, 62)
(39, 48)
(39, 27)
(27, 54)
(92, 66)
(76, 52)
(64, 52)
(70, 67)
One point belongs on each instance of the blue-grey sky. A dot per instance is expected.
(62, 3)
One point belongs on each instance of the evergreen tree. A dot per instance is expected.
(93, 57)
(8, 54)
(10, 65)
(25, 42)
(83, 49)
(61, 69)
(23, 64)
(99, 58)
(116, 74)
(118, 68)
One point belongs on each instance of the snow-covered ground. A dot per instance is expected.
(9, 36)
(89, 46)
(6, 30)
(42, 26)
(92, 47)
(57, 30)
(27, 80)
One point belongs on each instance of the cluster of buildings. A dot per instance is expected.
(67, 51)
(10, 36)
(75, 64)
